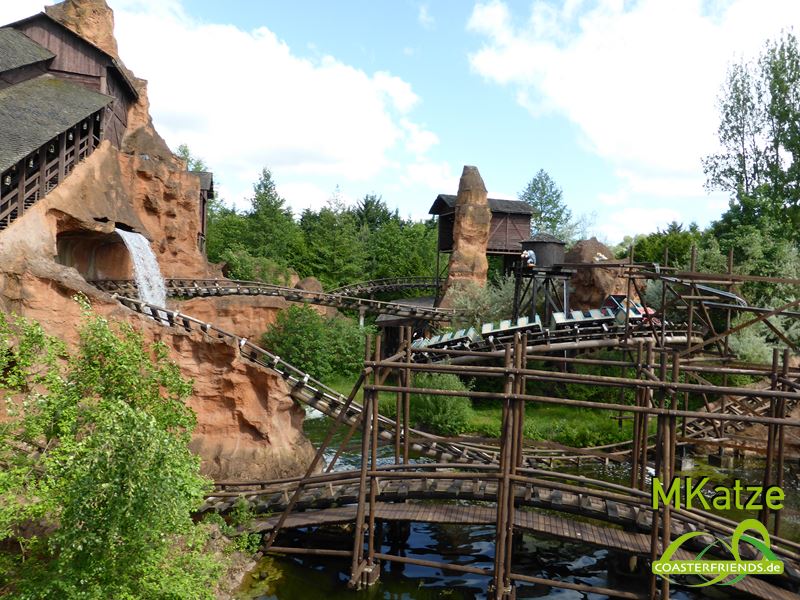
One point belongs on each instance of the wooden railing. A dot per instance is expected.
(32, 178)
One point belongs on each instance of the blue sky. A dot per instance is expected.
(616, 100)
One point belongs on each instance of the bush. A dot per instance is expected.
(444, 415)
(113, 487)
(242, 265)
(475, 304)
(322, 347)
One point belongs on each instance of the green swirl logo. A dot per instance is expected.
(722, 572)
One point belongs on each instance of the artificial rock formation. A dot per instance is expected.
(473, 220)
(248, 426)
(93, 20)
(591, 285)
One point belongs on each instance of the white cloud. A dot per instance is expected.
(243, 100)
(632, 220)
(425, 18)
(640, 80)
(302, 195)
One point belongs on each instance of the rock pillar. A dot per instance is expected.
(473, 219)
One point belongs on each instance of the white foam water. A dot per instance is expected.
(145, 268)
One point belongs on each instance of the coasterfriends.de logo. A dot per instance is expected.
(750, 532)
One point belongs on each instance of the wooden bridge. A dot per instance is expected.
(408, 492)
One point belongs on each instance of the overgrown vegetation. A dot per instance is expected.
(476, 304)
(98, 484)
(443, 415)
(323, 346)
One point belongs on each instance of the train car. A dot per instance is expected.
(621, 305)
(493, 336)
(595, 317)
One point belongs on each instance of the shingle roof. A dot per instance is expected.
(18, 50)
(543, 236)
(128, 79)
(206, 179)
(35, 111)
(514, 207)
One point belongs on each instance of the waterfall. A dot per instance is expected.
(145, 268)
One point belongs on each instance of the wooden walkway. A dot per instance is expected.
(532, 522)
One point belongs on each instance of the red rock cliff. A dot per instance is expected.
(248, 426)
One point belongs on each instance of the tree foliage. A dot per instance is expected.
(476, 304)
(758, 131)
(550, 212)
(98, 484)
(322, 346)
(337, 244)
(193, 163)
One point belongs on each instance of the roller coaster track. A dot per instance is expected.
(330, 497)
(561, 493)
(308, 391)
(205, 288)
(387, 285)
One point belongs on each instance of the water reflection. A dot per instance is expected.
(295, 578)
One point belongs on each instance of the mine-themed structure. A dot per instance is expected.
(60, 96)
(511, 224)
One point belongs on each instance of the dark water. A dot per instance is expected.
(300, 578)
(311, 578)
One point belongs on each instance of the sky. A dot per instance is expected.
(616, 100)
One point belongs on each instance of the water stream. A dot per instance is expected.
(145, 268)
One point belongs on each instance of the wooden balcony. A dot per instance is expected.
(33, 177)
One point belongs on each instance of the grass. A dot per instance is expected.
(577, 427)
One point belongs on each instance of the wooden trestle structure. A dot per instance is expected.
(516, 479)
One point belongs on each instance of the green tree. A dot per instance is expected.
(335, 245)
(679, 241)
(372, 213)
(272, 232)
(323, 347)
(193, 163)
(401, 249)
(741, 166)
(112, 485)
(758, 131)
(550, 212)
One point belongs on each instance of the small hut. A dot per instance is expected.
(511, 223)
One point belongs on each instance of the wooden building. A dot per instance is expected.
(206, 194)
(77, 60)
(511, 223)
(60, 96)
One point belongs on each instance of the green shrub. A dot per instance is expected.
(114, 486)
(444, 415)
(475, 304)
(244, 266)
(321, 346)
